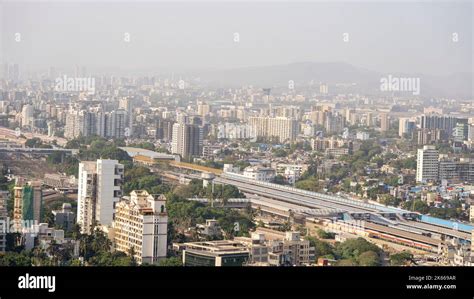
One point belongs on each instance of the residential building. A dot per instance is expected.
(283, 128)
(427, 164)
(140, 226)
(65, 218)
(259, 173)
(275, 248)
(406, 127)
(443, 122)
(187, 140)
(4, 195)
(384, 122)
(27, 116)
(28, 198)
(99, 188)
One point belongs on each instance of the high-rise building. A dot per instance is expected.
(284, 128)
(323, 88)
(27, 203)
(164, 129)
(456, 170)
(140, 226)
(80, 123)
(27, 116)
(334, 123)
(429, 136)
(427, 164)
(99, 188)
(443, 122)
(117, 125)
(470, 132)
(127, 105)
(384, 122)
(460, 132)
(405, 127)
(96, 122)
(369, 119)
(3, 219)
(187, 140)
(204, 109)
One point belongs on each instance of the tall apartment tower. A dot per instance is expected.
(3, 219)
(127, 105)
(27, 202)
(384, 122)
(427, 164)
(443, 122)
(27, 115)
(164, 129)
(99, 188)
(187, 140)
(141, 223)
(116, 124)
(406, 126)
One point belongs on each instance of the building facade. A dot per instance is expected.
(4, 195)
(99, 188)
(427, 164)
(140, 226)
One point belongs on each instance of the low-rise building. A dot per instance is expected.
(215, 253)
(259, 173)
(210, 229)
(65, 218)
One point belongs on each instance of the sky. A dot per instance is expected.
(407, 36)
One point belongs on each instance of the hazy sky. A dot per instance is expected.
(388, 37)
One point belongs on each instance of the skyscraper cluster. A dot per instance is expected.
(114, 124)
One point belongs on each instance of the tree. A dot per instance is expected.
(325, 235)
(22, 259)
(321, 248)
(171, 262)
(34, 142)
(402, 258)
(279, 179)
(352, 248)
(416, 205)
(369, 258)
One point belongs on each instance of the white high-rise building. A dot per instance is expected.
(187, 140)
(127, 105)
(427, 164)
(99, 188)
(27, 115)
(141, 223)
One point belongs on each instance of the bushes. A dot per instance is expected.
(399, 259)
(325, 235)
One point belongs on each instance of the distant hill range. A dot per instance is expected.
(459, 85)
